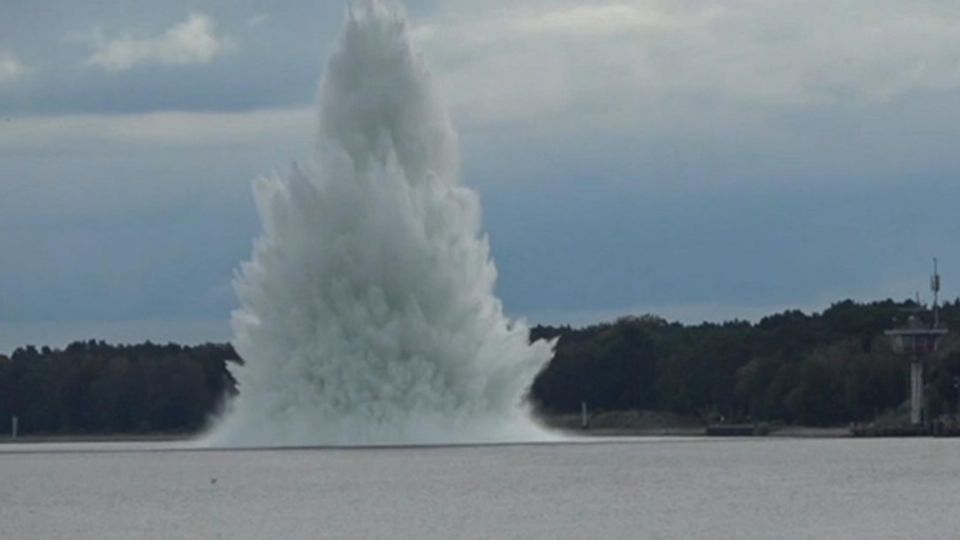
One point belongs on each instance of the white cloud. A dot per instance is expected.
(85, 169)
(498, 61)
(11, 69)
(591, 20)
(258, 20)
(192, 41)
(168, 129)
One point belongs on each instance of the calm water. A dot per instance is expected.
(690, 489)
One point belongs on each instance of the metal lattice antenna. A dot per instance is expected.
(935, 288)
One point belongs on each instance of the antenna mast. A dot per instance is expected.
(935, 287)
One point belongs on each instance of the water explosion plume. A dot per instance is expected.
(368, 314)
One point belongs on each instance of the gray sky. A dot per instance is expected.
(699, 159)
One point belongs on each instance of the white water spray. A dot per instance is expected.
(368, 314)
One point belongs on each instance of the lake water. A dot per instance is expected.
(646, 488)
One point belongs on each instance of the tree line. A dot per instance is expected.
(827, 368)
(95, 388)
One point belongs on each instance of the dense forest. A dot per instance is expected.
(96, 388)
(829, 368)
(823, 369)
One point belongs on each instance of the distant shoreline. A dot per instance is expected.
(798, 432)
(659, 424)
(116, 438)
(790, 432)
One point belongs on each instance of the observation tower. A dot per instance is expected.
(918, 341)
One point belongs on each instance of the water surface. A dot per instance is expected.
(648, 488)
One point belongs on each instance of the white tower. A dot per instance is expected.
(918, 341)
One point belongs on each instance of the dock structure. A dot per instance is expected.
(918, 341)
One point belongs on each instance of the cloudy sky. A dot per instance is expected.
(698, 159)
